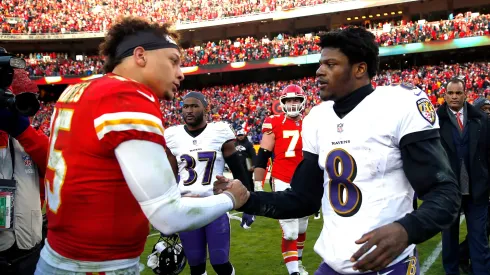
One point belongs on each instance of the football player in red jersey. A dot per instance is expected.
(108, 173)
(282, 136)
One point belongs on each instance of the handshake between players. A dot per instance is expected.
(237, 192)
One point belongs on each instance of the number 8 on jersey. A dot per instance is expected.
(345, 197)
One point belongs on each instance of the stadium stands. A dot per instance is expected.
(52, 16)
(246, 105)
(250, 48)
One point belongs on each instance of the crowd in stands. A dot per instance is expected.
(246, 105)
(59, 64)
(250, 48)
(56, 16)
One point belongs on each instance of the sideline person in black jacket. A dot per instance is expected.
(465, 137)
(482, 104)
(247, 155)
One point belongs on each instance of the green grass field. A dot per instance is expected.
(258, 252)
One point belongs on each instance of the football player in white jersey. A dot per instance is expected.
(199, 151)
(364, 154)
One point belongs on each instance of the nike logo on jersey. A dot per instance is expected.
(151, 98)
(386, 273)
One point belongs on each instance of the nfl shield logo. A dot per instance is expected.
(194, 142)
(27, 160)
(340, 127)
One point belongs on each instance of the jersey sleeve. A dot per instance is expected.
(227, 132)
(170, 136)
(267, 126)
(127, 114)
(309, 132)
(416, 112)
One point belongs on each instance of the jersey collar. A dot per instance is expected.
(346, 104)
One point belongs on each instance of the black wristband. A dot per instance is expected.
(262, 158)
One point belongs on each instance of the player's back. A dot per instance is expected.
(199, 158)
(92, 214)
(287, 147)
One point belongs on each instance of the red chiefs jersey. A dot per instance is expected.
(287, 147)
(93, 216)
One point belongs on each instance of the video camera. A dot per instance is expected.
(25, 103)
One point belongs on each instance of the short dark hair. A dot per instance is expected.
(456, 80)
(357, 43)
(124, 27)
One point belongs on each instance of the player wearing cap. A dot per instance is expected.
(108, 173)
(199, 151)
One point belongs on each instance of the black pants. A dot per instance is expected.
(464, 249)
(251, 180)
(15, 261)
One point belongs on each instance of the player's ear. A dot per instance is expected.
(139, 56)
(360, 69)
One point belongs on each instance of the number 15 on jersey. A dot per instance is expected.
(56, 172)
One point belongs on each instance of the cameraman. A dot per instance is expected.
(23, 157)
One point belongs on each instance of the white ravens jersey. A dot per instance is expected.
(200, 158)
(365, 185)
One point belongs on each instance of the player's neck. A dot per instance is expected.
(456, 109)
(196, 130)
(128, 73)
(296, 118)
(354, 88)
(347, 103)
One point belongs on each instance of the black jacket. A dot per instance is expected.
(478, 126)
(246, 150)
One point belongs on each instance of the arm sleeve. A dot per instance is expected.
(227, 132)
(143, 163)
(427, 168)
(127, 115)
(302, 199)
(267, 124)
(36, 145)
(416, 114)
(306, 192)
(238, 170)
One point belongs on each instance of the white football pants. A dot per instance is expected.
(290, 227)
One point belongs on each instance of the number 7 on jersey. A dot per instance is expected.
(294, 135)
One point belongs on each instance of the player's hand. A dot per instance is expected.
(390, 241)
(233, 188)
(221, 184)
(239, 192)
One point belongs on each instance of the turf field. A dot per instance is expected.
(257, 251)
